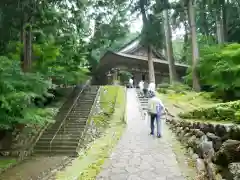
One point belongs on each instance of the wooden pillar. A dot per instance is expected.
(109, 78)
(115, 77)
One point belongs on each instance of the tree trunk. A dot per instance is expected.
(225, 20)
(27, 46)
(219, 24)
(151, 66)
(195, 51)
(27, 50)
(186, 36)
(149, 46)
(169, 48)
(22, 42)
(204, 18)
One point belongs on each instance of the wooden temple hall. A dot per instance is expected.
(134, 59)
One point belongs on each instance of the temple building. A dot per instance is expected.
(134, 59)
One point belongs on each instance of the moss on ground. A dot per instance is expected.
(108, 96)
(189, 100)
(88, 164)
(6, 163)
(228, 112)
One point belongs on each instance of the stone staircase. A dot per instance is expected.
(143, 100)
(64, 135)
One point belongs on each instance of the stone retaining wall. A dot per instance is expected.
(215, 149)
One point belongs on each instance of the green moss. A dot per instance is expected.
(218, 112)
(108, 96)
(188, 100)
(5, 163)
(88, 164)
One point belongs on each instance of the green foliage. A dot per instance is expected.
(17, 90)
(219, 112)
(6, 163)
(124, 76)
(63, 50)
(219, 69)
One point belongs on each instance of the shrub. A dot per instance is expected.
(219, 70)
(17, 91)
(222, 111)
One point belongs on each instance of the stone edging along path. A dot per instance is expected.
(215, 149)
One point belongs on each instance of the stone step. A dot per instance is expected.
(84, 113)
(75, 116)
(56, 147)
(88, 100)
(57, 143)
(80, 110)
(78, 119)
(79, 113)
(71, 153)
(72, 122)
(82, 106)
(89, 96)
(60, 137)
(68, 130)
(76, 125)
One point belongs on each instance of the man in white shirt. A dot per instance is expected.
(131, 82)
(151, 87)
(155, 109)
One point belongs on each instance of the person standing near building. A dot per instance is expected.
(145, 88)
(155, 110)
(151, 87)
(131, 83)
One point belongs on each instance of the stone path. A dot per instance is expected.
(139, 156)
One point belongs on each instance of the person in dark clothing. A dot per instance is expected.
(145, 88)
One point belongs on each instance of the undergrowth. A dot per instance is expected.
(219, 112)
(181, 96)
(200, 106)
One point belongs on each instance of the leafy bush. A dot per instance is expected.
(222, 111)
(17, 91)
(219, 70)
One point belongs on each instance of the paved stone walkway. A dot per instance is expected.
(139, 156)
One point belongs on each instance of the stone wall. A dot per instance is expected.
(215, 148)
